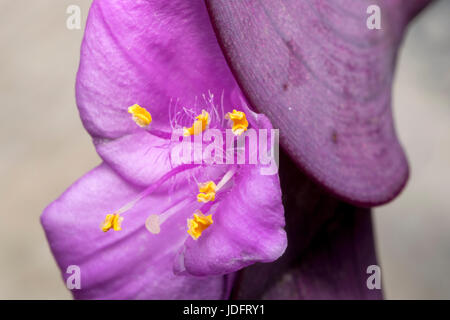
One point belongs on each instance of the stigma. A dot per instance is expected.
(239, 122)
(140, 115)
(112, 221)
(200, 124)
(207, 192)
(198, 224)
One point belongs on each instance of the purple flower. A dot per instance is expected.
(320, 76)
(185, 227)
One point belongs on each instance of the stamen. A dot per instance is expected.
(207, 192)
(200, 124)
(140, 115)
(198, 224)
(112, 221)
(239, 119)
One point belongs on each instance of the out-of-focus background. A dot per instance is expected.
(44, 149)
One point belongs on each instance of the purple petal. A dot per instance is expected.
(129, 264)
(324, 79)
(147, 52)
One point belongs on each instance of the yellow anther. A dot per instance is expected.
(200, 124)
(112, 221)
(198, 224)
(240, 123)
(140, 115)
(207, 192)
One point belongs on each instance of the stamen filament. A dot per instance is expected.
(230, 173)
(113, 220)
(154, 186)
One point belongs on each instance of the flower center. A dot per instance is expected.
(207, 191)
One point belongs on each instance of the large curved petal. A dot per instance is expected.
(324, 78)
(129, 264)
(151, 52)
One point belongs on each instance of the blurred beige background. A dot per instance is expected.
(45, 149)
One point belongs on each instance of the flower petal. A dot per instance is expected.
(149, 53)
(324, 79)
(128, 264)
